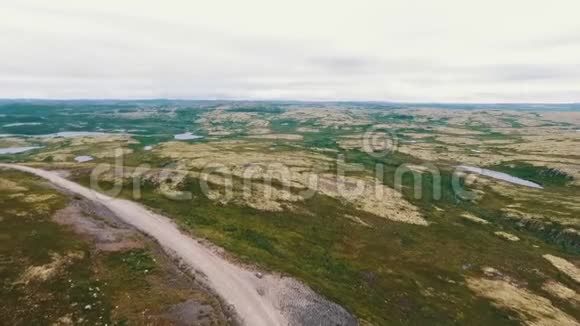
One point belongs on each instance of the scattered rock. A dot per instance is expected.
(491, 272)
(506, 236)
(474, 218)
(64, 320)
(357, 220)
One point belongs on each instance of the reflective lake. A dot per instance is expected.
(83, 158)
(500, 176)
(186, 136)
(16, 150)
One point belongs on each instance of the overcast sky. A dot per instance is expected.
(403, 50)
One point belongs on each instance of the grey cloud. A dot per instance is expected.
(344, 63)
(123, 55)
(521, 72)
(496, 73)
(555, 41)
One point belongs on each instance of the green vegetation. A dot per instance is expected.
(547, 177)
(52, 275)
(384, 272)
(390, 273)
(138, 261)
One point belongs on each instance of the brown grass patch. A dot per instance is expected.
(530, 308)
(564, 266)
(45, 272)
(279, 136)
(561, 291)
(11, 186)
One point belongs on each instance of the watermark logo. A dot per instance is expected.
(273, 179)
(380, 143)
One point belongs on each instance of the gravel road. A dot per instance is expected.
(265, 300)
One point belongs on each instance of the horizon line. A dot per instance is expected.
(288, 100)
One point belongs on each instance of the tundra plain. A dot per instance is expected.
(360, 202)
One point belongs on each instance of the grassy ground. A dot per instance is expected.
(391, 273)
(78, 284)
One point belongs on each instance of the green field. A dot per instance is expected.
(383, 271)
